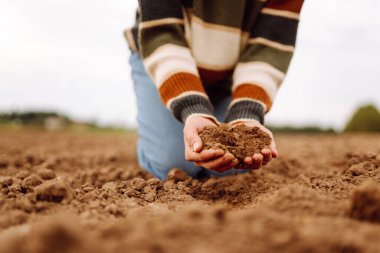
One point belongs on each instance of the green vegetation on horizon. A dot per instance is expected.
(30, 118)
(51, 121)
(365, 119)
(304, 129)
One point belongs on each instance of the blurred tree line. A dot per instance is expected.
(303, 129)
(31, 118)
(365, 119)
(50, 121)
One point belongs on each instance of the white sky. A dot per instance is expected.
(70, 55)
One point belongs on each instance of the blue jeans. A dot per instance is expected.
(160, 145)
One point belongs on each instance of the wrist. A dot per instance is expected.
(189, 105)
(245, 110)
(243, 121)
(194, 116)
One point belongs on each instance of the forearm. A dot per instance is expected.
(168, 59)
(263, 64)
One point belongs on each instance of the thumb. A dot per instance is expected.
(196, 142)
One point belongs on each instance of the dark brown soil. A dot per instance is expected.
(241, 141)
(63, 192)
(365, 202)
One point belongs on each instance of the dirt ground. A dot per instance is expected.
(63, 192)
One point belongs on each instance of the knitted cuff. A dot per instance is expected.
(245, 109)
(131, 38)
(183, 107)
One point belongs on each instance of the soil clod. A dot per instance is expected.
(365, 202)
(55, 190)
(241, 141)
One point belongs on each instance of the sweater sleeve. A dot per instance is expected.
(168, 60)
(264, 62)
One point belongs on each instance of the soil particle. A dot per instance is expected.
(3, 163)
(153, 182)
(112, 209)
(31, 181)
(24, 204)
(15, 217)
(150, 196)
(88, 196)
(16, 187)
(356, 170)
(110, 187)
(365, 202)
(55, 190)
(22, 174)
(5, 181)
(241, 141)
(138, 184)
(178, 175)
(46, 174)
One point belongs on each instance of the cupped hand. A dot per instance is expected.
(211, 159)
(267, 154)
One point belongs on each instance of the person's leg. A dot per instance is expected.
(160, 146)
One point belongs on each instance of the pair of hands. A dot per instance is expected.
(217, 159)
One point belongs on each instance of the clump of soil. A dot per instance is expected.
(53, 190)
(241, 141)
(365, 202)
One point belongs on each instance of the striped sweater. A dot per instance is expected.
(187, 45)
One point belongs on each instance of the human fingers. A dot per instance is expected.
(229, 166)
(267, 155)
(248, 160)
(192, 139)
(216, 163)
(257, 160)
(204, 155)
